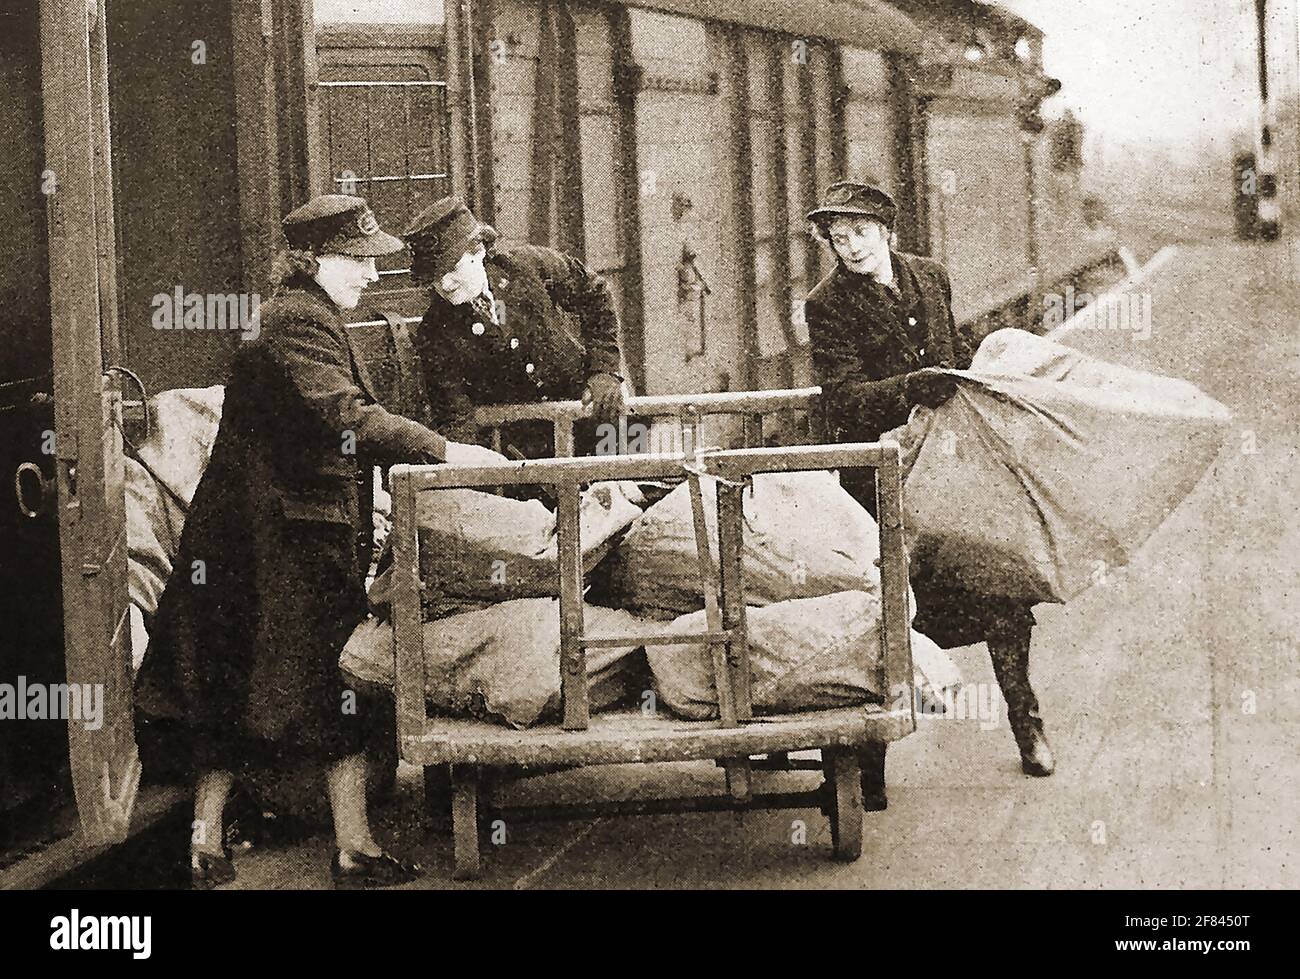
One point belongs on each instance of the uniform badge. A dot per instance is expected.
(367, 224)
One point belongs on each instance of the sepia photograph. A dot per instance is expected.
(644, 445)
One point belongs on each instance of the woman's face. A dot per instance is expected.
(468, 280)
(344, 278)
(861, 243)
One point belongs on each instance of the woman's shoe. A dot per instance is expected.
(1035, 753)
(352, 870)
(209, 870)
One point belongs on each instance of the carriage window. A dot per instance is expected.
(384, 128)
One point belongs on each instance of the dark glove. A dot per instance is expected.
(929, 386)
(604, 393)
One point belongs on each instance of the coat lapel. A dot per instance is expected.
(334, 316)
(359, 369)
(881, 314)
(935, 311)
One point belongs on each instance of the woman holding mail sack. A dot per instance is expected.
(882, 332)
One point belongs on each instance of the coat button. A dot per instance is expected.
(529, 368)
(514, 343)
(911, 321)
(477, 329)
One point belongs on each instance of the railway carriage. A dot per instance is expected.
(153, 145)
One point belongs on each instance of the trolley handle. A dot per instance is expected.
(688, 409)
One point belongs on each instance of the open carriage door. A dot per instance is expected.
(83, 310)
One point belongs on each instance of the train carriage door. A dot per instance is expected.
(976, 169)
(684, 209)
(385, 133)
(825, 151)
(869, 120)
(91, 506)
(600, 137)
(802, 61)
(768, 73)
(33, 755)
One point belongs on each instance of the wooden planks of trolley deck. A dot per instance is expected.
(629, 736)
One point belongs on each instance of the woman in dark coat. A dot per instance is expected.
(242, 667)
(510, 326)
(881, 326)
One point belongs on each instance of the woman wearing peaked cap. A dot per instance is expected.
(497, 328)
(242, 667)
(881, 328)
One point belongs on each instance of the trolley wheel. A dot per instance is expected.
(464, 821)
(844, 782)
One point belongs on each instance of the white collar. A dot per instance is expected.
(891, 278)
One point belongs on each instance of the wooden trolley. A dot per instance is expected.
(468, 749)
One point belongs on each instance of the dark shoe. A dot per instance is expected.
(209, 870)
(871, 759)
(352, 870)
(1009, 652)
(1035, 753)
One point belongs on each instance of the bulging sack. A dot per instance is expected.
(804, 536)
(481, 544)
(477, 548)
(1048, 468)
(804, 654)
(160, 484)
(183, 425)
(151, 537)
(503, 662)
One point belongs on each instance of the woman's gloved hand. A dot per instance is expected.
(929, 386)
(468, 454)
(604, 392)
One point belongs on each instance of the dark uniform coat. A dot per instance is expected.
(267, 586)
(864, 339)
(557, 326)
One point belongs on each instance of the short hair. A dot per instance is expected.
(292, 263)
(484, 235)
(821, 225)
